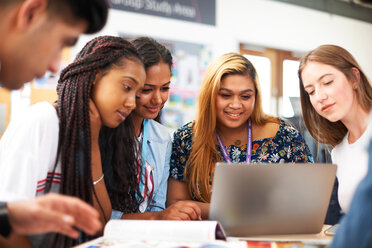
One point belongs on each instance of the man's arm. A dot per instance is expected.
(53, 213)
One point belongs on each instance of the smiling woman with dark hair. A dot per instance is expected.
(153, 147)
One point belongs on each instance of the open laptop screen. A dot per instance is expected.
(255, 199)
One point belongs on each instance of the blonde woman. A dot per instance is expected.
(229, 119)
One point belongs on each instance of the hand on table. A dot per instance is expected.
(181, 210)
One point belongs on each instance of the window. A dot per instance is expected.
(263, 68)
(277, 72)
(291, 90)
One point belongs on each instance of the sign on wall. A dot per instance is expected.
(200, 11)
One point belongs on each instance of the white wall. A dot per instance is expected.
(289, 27)
(159, 27)
(260, 22)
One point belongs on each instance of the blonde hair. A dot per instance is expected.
(204, 153)
(321, 129)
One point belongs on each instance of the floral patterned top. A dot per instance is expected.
(287, 146)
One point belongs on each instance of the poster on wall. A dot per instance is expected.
(199, 11)
(190, 63)
(190, 60)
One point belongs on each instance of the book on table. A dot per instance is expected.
(192, 234)
(119, 232)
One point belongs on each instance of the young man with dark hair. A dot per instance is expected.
(33, 34)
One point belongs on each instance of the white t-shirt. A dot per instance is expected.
(28, 151)
(352, 164)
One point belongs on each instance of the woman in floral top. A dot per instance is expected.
(287, 146)
(230, 118)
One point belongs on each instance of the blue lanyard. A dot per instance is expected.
(249, 144)
(144, 153)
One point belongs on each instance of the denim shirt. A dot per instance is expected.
(159, 148)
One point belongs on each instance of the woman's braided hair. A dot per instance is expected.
(74, 147)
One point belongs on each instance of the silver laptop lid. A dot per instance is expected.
(257, 199)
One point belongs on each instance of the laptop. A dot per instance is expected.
(261, 199)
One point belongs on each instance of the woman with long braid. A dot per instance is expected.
(59, 143)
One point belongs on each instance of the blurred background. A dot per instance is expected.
(273, 34)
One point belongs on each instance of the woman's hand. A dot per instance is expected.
(95, 121)
(181, 210)
(178, 192)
